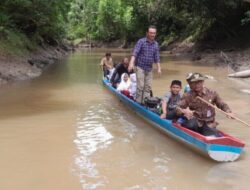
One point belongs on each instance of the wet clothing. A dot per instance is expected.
(119, 70)
(203, 113)
(146, 53)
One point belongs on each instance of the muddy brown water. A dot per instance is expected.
(65, 131)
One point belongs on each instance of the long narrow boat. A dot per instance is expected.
(240, 74)
(222, 149)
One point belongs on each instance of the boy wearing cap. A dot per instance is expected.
(170, 100)
(200, 116)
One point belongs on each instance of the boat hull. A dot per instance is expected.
(240, 74)
(222, 149)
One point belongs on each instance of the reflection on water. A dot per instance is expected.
(91, 135)
(106, 148)
(66, 131)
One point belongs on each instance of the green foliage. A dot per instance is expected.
(246, 19)
(41, 18)
(112, 20)
(16, 43)
(46, 21)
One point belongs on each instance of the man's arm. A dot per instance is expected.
(164, 109)
(135, 53)
(182, 107)
(159, 68)
(102, 62)
(131, 63)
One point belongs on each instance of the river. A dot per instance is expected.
(64, 131)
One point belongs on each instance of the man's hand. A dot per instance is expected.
(230, 115)
(131, 64)
(159, 70)
(189, 114)
(130, 67)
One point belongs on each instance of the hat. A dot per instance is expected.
(192, 77)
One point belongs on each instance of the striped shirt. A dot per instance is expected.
(146, 53)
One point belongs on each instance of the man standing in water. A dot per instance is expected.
(145, 53)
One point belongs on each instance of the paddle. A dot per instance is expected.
(208, 103)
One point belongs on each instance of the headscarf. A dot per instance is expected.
(124, 85)
(132, 88)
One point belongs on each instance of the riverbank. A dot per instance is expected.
(30, 65)
(235, 59)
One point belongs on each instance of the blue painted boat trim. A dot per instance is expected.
(217, 147)
(167, 126)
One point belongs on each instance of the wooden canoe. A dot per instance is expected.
(221, 149)
(240, 74)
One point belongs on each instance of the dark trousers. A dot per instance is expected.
(204, 130)
(171, 114)
(105, 72)
(116, 80)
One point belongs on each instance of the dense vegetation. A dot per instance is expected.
(32, 22)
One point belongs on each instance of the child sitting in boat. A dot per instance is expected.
(170, 100)
(124, 85)
(132, 87)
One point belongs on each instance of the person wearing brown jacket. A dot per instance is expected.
(200, 117)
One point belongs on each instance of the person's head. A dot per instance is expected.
(125, 77)
(125, 62)
(108, 55)
(195, 81)
(175, 87)
(151, 33)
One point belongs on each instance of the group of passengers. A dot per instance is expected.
(118, 75)
(194, 114)
(134, 79)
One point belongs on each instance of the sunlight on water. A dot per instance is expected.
(91, 136)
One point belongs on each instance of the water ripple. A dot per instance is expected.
(91, 135)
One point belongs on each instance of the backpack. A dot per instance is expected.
(153, 104)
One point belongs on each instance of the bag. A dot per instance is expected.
(153, 104)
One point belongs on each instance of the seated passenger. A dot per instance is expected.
(170, 101)
(200, 117)
(124, 84)
(119, 70)
(132, 88)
